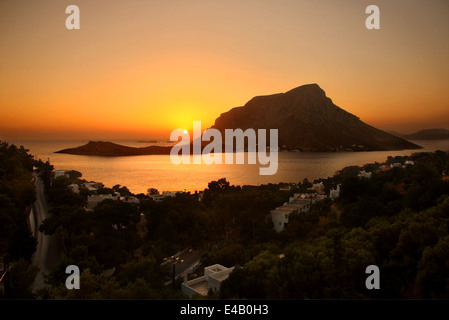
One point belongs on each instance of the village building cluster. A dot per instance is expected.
(302, 202)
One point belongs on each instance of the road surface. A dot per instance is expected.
(47, 255)
(190, 259)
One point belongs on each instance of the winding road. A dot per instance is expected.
(47, 255)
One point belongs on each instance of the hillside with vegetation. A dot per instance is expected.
(398, 219)
(17, 244)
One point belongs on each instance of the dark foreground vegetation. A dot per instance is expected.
(398, 220)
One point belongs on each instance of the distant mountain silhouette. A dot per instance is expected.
(307, 120)
(428, 134)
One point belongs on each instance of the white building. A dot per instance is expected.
(75, 188)
(300, 202)
(170, 193)
(61, 173)
(318, 187)
(93, 186)
(364, 174)
(384, 166)
(157, 197)
(93, 200)
(335, 193)
(130, 200)
(165, 194)
(214, 275)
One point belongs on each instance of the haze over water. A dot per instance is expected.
(139, 173)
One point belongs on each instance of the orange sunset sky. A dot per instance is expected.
(144, 68)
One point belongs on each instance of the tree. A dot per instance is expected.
(230, 255)
(352, 188)
(46, 173)
(152, 191)
(117, 214)
(214, 190)
(358, 214)
(16, 196)
(124, 191)
(432, 278)
(22, 276)
(73, 175)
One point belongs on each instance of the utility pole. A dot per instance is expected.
(174, 261)
(173, 276)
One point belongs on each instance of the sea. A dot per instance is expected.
(139, 173)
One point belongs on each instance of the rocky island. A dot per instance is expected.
(102, 148)
(307, 120)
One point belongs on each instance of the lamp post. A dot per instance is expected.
(173, 276)
(174, 260)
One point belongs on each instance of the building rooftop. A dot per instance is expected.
(202, 287)
(213, 276)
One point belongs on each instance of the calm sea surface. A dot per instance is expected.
(139, 173)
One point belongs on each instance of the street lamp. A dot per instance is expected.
(174, 260)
